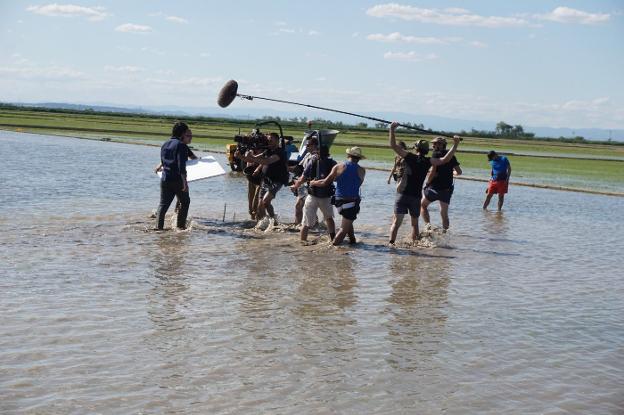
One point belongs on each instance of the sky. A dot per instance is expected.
(545, 63)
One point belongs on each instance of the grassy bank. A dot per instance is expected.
(582, 165)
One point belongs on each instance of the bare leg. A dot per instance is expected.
(424, 211)
(397, 219)
(487, 200)
(345, 229)
(501, 200)
(415, 233)
(299, 210)
(303, 234)
(266, 204)
(331, 227)
(351, 235)
(444, 213)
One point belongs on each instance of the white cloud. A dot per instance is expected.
(133, 28)
(69, 10)
(177, 19)
(568, 15)
(451, 17)
(287, 30)
(321, 79)
(126, 69)
(204, 55)
(410, 56)
(313, 33)
(397, 37)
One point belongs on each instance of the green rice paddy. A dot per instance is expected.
(578, 165)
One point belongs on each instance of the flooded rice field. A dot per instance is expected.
(513, 312)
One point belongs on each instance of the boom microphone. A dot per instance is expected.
(227, 93)
(230, 91)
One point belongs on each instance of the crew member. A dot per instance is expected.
(275, 174)
(440, 180)
(187, 137)
(410, 183)
(173, 156)
(499, 180)
(349, 177)
(301, 190)
(318, 197)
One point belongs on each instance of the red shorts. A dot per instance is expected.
(497, 186)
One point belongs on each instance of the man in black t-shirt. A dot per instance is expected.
(440, 184)
(409, 188)
(274, 166)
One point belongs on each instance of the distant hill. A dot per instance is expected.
(244, 110)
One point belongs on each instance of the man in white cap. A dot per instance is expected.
(349, 176)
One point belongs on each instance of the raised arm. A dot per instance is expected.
(392, 139)
(449, 155)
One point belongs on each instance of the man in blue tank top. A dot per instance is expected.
(349, 177)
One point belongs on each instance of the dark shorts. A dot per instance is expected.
(271, 187)
(443, 195)
(407, 204)
(351, 210)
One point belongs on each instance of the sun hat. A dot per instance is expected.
(438, 139)
(355, 152)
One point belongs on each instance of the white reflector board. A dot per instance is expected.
(201, 168)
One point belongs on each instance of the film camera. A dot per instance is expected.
(252, 141)
(255, 140)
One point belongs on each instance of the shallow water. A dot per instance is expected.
(517, 312)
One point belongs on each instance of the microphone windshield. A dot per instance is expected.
(227, 93)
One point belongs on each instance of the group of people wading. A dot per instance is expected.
(421, 180)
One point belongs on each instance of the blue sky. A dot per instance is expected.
(549, 63)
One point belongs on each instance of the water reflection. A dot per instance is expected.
(170, 284)
(495, 223)
(324, 294)
(417, 312)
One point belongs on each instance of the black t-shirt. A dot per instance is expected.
(278, 170)
(444, 177)
(416, 168)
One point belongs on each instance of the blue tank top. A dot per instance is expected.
(348, 183)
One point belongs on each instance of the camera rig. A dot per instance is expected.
(256, 140)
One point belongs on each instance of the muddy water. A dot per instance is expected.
(519, 312)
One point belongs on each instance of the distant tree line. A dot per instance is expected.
(503, 130)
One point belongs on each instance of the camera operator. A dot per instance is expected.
(275, 173)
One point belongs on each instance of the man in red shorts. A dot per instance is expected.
(501, 170)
